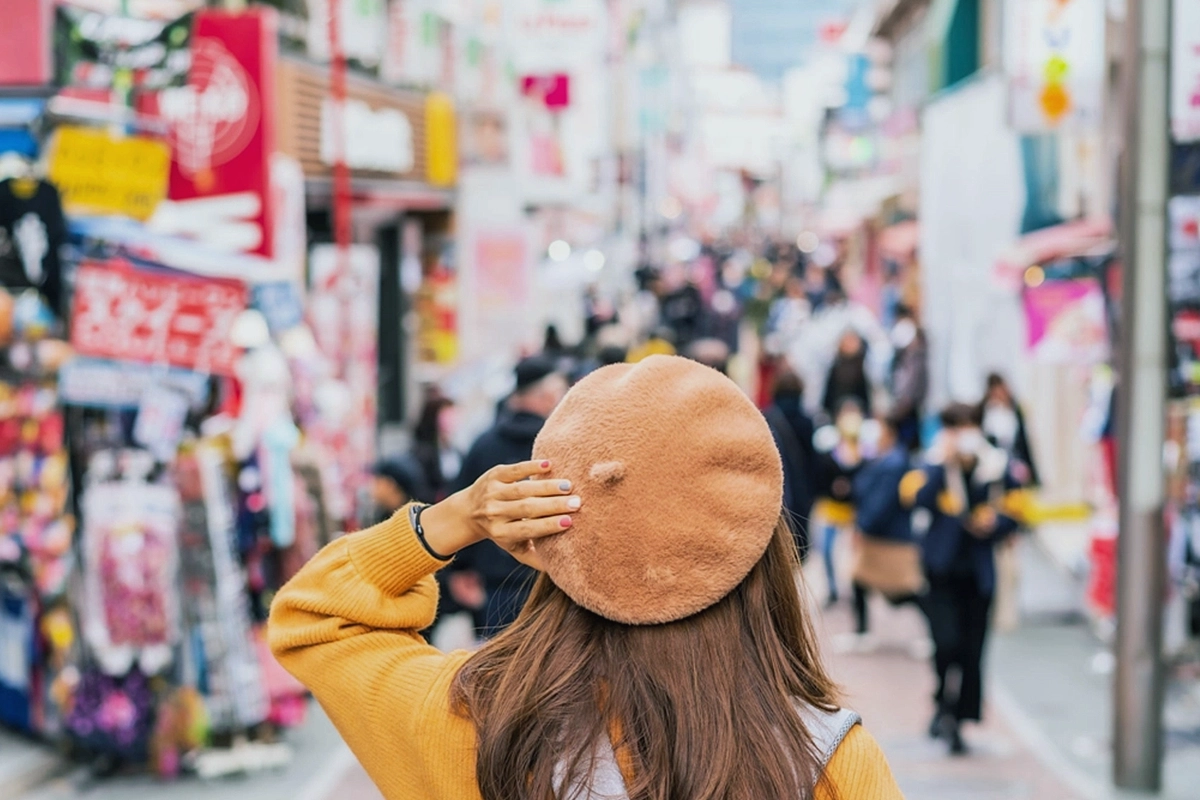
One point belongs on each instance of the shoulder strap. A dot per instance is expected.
(828, 729)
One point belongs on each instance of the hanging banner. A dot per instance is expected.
(1055, 64)
(1185, 70)
(125, 313)
(221, 126)
(437, 318)
(98, 174)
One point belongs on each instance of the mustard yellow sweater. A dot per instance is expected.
(346, 626)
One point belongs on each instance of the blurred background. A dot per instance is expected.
(273, 268)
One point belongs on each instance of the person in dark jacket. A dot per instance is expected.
(484, 569)
(1004, 426)
(838, 455)
(793, 431)
(965, 486)
(878, 512)
(848, 376)
(438, 459)
(909, 378)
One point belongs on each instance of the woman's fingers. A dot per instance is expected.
(532, 488)
(536, 508)
(511, 473)
(525, 529)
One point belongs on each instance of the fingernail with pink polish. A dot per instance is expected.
(545, 465)
(565, 522)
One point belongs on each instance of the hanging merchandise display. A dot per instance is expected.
(32, 233)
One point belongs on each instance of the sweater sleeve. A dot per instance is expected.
(859, 771)
(346, 626)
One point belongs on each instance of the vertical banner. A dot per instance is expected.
(1055, 65)
(221, 127)
(1185, 70)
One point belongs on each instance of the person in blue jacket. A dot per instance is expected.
(965, 486)
(878, 512)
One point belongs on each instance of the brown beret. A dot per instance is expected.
(681, 484)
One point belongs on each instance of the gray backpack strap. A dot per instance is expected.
(828, 729)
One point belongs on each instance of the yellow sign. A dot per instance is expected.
(99, 174)
(441, 140)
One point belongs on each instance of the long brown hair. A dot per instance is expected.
(699, 709)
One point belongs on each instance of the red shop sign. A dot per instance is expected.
(221, 126)
(130, 314)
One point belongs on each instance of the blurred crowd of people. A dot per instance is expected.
(843, 389)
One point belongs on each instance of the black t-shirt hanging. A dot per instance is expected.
(32, 232)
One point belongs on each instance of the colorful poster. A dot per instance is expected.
(97, 51)
(221, 126)
(1184, 214)
(502, 269)
(437, 318)
(1055, 64)
(1066, 323)
(99, 174)
(1185, 70)
(126, 313)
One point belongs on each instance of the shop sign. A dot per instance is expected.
(437, 318)
(378, 140)
(96, 50)
(25, 44)
(1184, 214)
(99, 383)
(565, 29)
(97, 173)
(1055, 64)
(221, 123)
(124, 313)
(1185, 70)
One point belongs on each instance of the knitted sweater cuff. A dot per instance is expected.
(390, 555)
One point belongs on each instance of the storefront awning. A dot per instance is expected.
(1079, 238)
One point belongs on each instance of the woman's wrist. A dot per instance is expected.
(447, 526)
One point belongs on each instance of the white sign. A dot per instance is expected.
(1054, 61)
(380, 140)
(1185, 71)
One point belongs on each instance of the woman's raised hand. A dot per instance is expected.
(512, 505)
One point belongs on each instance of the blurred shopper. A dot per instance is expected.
(396, 483)
(682, 310)
(793, 431)
(660, 343)
(440, 462)
(839, 455)
(485, 577)
(964, 486)
(909, 378)
(706, 683)
(1004, 426)
(848, 376)
(887, 558)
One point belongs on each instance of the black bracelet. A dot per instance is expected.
(414, 517)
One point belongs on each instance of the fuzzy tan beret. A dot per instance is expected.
(681, 484)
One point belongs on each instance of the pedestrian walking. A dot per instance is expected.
(678, 664)
(793, 431)
(1004, 426)
(848, 376)
(909, 378)
(485, 577)
(395, 483)
(839, 456)
(887, 558)
(964, 486)
(440, 461)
